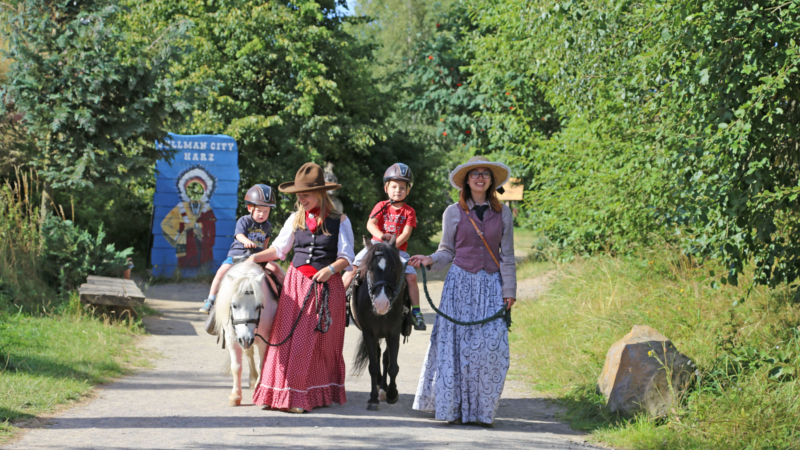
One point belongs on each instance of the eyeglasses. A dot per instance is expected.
(475, 174)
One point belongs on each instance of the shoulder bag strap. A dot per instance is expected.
(466, 211)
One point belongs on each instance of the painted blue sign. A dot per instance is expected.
(194, 204)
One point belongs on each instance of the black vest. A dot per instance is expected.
(317, 250)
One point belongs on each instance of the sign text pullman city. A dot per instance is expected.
(197, 145)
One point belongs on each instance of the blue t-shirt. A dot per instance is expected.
(256, 232)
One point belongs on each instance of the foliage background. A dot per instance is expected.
(639, 128)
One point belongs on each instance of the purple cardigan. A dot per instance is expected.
(470, 254)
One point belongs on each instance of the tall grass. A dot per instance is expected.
(52, 349)
(20, 243)
(747, 353)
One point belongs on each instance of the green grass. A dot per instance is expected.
(525, 241)
(561, 341)
(52, 360)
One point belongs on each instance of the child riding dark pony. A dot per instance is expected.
(379, 308)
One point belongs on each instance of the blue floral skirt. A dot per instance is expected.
(465, 367)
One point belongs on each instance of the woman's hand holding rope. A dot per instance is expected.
(421, 260)
(322, 275)
(325, 273)
(418, 260)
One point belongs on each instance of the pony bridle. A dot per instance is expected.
(255, 321)
(372, 287)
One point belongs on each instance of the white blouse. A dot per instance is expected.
(284, 243)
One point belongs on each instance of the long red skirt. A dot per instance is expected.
(307, 371)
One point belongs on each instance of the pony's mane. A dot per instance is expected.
(392, 263)
(239, 280)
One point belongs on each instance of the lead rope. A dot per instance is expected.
(323, 310)
(323, 313)
(504, 312)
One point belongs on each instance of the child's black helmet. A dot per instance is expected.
(399, 171)
(260, 195)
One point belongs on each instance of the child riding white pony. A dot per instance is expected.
(245, 307)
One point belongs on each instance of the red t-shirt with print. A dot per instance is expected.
(393, 221)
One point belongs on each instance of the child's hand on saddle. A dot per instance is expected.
(249, 244)
(418, 260)
(386, 237)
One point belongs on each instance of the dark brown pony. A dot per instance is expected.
(382, 280)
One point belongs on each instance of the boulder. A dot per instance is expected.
(644, 372)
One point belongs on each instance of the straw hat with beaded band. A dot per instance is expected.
(500, 172)
(309, 178)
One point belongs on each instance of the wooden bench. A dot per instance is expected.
(113, 292)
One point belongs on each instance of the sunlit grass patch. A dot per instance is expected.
(48, 361)
(747, 395)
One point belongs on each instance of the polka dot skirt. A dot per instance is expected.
(307, 371)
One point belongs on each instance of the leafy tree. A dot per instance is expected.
(398, 28)
(472, 116)
(677, 116)
(595, 184)
(92, 95)
(728, 98)
(291, 85)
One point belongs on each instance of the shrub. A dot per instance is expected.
(70, 254)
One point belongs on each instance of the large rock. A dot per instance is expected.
(644, 372)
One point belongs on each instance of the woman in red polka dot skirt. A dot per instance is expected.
(308, 370)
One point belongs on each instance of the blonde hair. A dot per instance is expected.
(326, 209)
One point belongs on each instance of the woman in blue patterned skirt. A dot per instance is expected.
(465, 367)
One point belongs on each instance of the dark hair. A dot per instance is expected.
(491, 195)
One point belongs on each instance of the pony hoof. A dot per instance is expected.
(393, 400)
(234, 402)
(373, 407)
(382, 395)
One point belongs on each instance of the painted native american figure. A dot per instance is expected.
(191, 225)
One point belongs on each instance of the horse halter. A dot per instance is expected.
(255, 321)
(372, 287)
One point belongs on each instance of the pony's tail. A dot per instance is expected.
(361, 360)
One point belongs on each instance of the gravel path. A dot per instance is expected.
(182, 402)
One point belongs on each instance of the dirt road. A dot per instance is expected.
(182, 403)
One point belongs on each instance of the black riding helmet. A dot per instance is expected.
(399, 171)
(260, 195)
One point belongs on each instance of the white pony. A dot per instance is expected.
(245, 306)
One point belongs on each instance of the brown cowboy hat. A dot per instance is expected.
(309, 178)
(500, 172)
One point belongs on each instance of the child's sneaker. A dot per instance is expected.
(206, 308)
(419, 321)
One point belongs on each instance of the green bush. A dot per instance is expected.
(70, 254)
